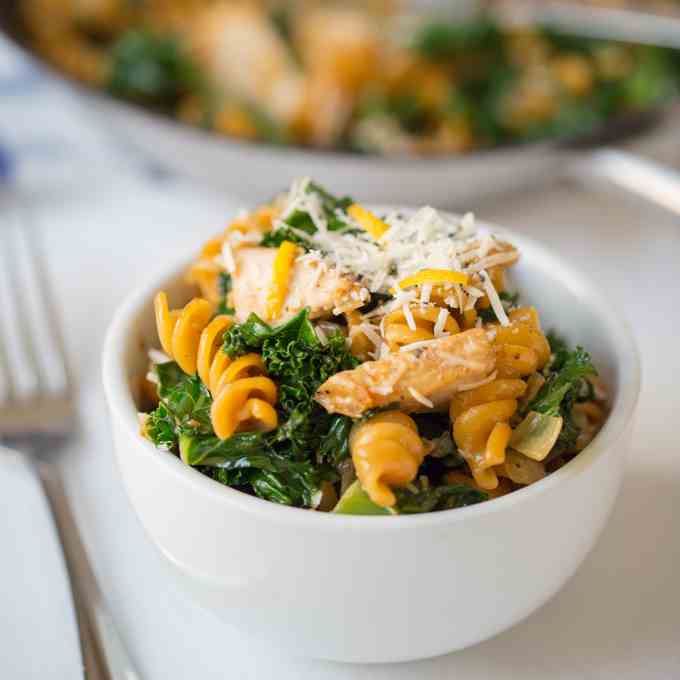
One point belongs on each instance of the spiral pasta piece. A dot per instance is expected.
(360, 345)
(243, 396)
(244, 399)
(521, 347)
(398, 332)
(481, 427)
(387, 452)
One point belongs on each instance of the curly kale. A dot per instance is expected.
(566, 383)
(300, 366)
(246, 337)
(159, 427)
(564, 379)
(444, 497)
(152, 69)
(184, 407)
(186, 398)
(248, 459)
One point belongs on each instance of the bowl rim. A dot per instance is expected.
(124, 411)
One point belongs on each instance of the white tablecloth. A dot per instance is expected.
(104, 228)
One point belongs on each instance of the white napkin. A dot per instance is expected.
(38, 636)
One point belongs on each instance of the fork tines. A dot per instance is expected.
(33, 369)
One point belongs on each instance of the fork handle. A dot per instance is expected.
(104, 656)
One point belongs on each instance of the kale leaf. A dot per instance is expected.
(334, 445)
(300, 363)
(152, 69)
(437, 498)
(559, 350)
(441, 40)
(574, 367)
(246, 337)
(302, 221)
(271, 476)
(275, 237)
(159, 427)
(185, 397)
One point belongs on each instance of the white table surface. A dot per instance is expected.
(619, 617)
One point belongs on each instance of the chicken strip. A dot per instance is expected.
(313, 284)
(239, 49)
(434, 372)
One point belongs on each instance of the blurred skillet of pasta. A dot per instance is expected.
(353, 76)
(339, 360)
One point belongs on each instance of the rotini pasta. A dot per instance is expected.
(400, 330)
(360, 345)
(521, 347)
(480, 426)
(387, 452)
(243, 397)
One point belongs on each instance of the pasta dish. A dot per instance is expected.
(361, 77)
(342, 360)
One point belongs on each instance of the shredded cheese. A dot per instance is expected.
(158, 357)
(371, 334)
(408, 315)
(495, 301)
(418, 345)
(441, 322)
(479, 383)
(420, 397)
(282, 271)
(321, 335)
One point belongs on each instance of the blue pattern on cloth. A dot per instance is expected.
(6, 164)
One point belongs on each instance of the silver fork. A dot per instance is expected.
(38, 417)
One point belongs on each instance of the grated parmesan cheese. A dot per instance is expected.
(441, 322)
(371, 334)
(495, 301)
(158, 357)
(321, 335)
(418, 345)
(479, 383)
(420, 397)
(493, 261)
(408, 315)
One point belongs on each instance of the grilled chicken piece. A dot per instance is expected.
(435, 372)
(339, 47)
(239, 49)
(312, 284)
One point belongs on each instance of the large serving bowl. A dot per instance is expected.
(369, 589)
(256, 171)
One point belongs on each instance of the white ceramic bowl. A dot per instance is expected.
(378, 589)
